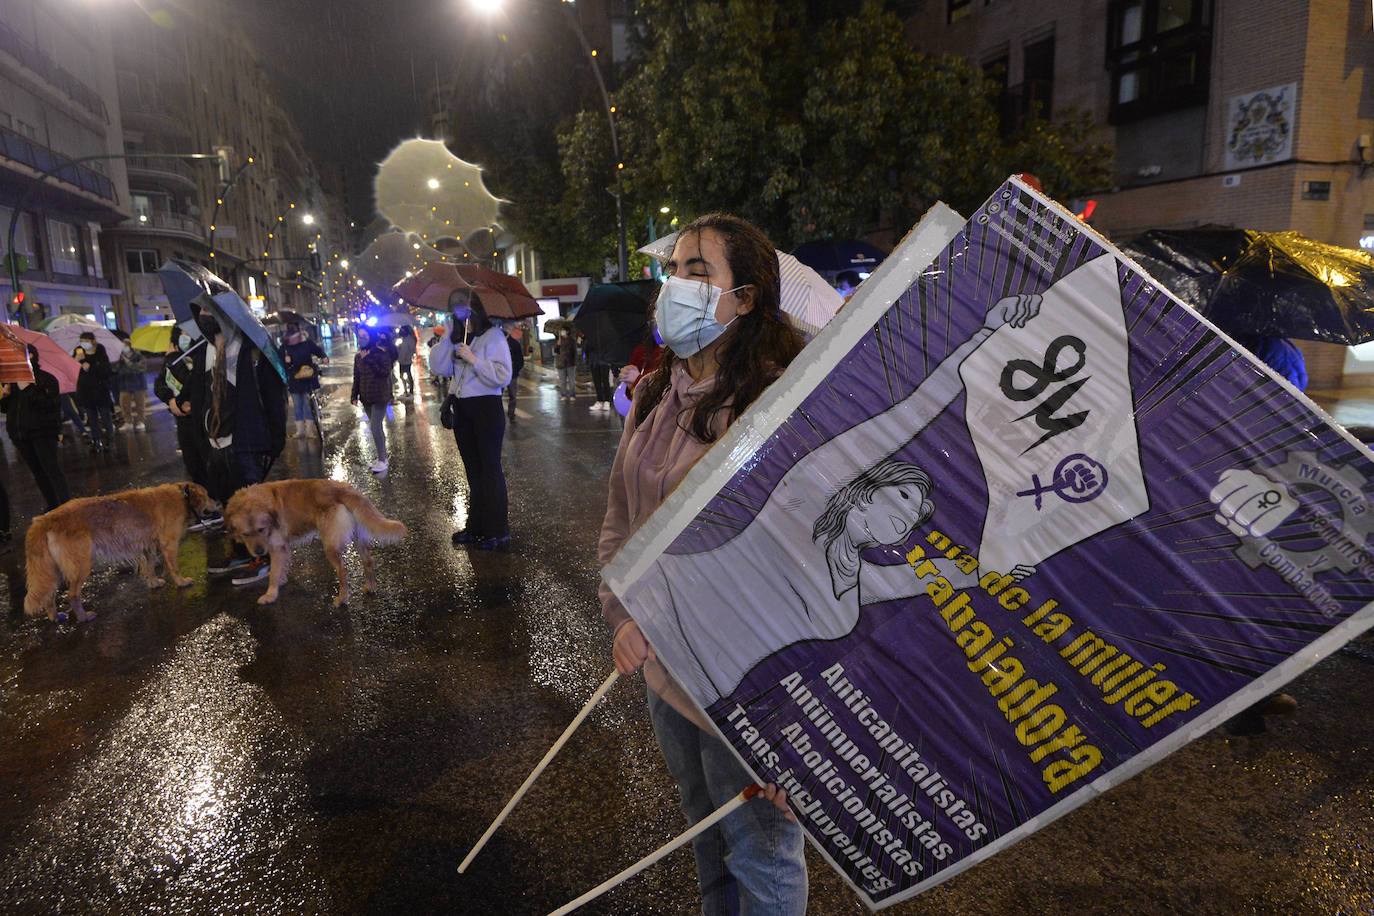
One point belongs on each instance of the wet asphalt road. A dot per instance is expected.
(191, 752)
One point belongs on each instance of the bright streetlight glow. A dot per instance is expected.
(308, 219)
(344, 263)
(433, 184)
(486, 7)
(662, 209)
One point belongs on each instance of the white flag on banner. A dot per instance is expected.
(1049, 409)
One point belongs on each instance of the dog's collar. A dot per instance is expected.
(186, 495)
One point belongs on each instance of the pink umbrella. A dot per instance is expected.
(51, 357)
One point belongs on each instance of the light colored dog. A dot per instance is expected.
(268, 518)
(134, 526)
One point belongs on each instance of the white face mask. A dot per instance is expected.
(686, 317)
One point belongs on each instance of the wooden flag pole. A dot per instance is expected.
(651, 858)
(539, 767)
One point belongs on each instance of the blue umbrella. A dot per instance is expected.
(186, 283)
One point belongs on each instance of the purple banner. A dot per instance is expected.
(1015, 525)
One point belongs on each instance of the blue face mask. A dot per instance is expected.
(687, 314)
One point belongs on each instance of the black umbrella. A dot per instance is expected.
(1273, 284)
(835, 255)
(614, 318)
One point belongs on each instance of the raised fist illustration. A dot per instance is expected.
(1013, 310)
(1250, 504)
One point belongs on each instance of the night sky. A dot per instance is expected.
(355, 73)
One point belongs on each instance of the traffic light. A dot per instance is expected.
(315, 264)
(16, 302)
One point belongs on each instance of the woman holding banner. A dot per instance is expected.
(726, 342)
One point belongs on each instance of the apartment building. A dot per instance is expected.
(57, 104)
(196, 85)
(1251, 113)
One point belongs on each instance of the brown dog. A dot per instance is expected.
(133, 526)
(270, 517)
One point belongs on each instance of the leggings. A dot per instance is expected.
(601, 379)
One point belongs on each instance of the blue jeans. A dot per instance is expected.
(301, 401)
(376, 416)
(753, 862)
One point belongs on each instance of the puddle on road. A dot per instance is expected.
(186, 799)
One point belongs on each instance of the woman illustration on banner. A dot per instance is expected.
(847, 495)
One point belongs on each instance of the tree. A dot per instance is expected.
(811, 119)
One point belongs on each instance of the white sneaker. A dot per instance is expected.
(139, 427)
(379, 467)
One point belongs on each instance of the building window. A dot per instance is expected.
(996, 70)
(1158, 54)
(1037, 80)
(958, 9)
(141, 260)
(65, 242)
(93, 265)
(24, 241)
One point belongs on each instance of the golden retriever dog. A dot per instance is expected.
(134, 526)
(268, 518)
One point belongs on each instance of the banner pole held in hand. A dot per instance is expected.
(539, 767)
(700, 826)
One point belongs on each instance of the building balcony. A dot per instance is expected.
(18, 148)
(162, 172)
(55, 76)
(164, 122)
(165, 224)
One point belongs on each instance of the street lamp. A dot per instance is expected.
(491, 7)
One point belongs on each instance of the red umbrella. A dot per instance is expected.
(502, 295)
(431, 286)
(51, 357)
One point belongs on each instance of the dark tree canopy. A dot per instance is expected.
(812, 118)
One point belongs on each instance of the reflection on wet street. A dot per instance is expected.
(191, 752)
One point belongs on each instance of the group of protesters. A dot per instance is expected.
(36, 410)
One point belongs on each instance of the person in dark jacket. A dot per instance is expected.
(33, 415)
(405, 357)
(170, 386)
(515, 337)
(372, 386)
(299, 353)
(131, 381)
(93, 392)
(565, 361)
(238, 402)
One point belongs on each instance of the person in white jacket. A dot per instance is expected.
(475, 355)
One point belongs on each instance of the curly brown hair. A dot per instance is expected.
(759, 346)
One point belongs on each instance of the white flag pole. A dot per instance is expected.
(539, 767)
(651, 858)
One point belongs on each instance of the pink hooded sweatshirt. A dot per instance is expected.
(651, 460)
